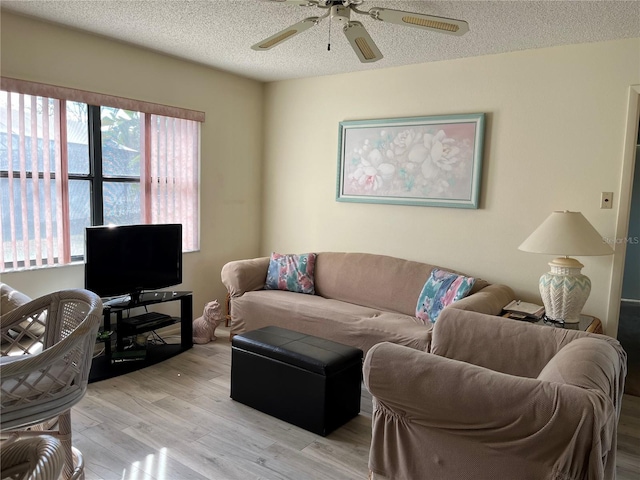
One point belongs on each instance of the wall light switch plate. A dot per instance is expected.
(606, 200)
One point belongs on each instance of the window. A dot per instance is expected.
(66, 165)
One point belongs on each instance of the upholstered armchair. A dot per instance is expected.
(46, 353)
(496, 398)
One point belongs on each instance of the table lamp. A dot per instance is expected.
(564, 289)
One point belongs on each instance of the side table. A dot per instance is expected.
(594, 325)
(588, 323)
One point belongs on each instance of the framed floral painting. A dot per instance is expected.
(432, 161)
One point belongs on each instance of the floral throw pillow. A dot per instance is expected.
(291, 272)
(442, 289)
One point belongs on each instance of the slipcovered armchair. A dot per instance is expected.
(46, 352)
(496, 398)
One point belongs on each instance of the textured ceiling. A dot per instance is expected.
(219, 33)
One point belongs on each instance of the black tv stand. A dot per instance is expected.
(102, 366)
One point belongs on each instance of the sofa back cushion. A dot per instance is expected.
(375, 281)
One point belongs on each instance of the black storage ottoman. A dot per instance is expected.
(304, 380)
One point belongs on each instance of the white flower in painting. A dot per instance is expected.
(375, 157)
(357, 173)
(370, 180)
(418, 153)
(429, 169)
(390, 154)
(403, 141)
(366, 177)
(369, 176)
(442, 154)
(386, 170)
(442, 150)
(366, 147)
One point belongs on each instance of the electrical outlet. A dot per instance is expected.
(606, 200)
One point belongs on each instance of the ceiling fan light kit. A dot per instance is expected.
(358, 37)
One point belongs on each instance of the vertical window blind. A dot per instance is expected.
(173, 175)
(34, 176)
(33, 187)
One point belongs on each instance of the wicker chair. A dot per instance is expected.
(46, 351)
(35, 458)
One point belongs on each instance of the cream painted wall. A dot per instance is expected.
(554, 141)
(231, 146)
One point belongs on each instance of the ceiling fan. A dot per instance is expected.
(358, 37)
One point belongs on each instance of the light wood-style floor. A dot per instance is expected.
(175, 421)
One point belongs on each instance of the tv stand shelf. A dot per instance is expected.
(102, 366)
(146, 323)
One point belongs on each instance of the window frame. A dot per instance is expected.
(95, 176)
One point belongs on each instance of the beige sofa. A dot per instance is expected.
(360, 300)
(495, 399)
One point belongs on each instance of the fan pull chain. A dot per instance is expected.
(329, 44)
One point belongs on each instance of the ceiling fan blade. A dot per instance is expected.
(361, 42)
(302, 3)
(285, 34)
(418, 20)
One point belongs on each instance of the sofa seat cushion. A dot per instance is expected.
(354, 325)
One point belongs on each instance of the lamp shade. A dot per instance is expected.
(566, 233)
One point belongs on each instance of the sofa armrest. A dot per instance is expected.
(489, 300)
(242, 276)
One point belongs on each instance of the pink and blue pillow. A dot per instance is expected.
(441, 290)
(294, 273)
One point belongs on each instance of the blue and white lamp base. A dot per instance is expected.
(564, 290)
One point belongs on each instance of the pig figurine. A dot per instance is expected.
(204, 327)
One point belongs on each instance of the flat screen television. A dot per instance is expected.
(128, 259)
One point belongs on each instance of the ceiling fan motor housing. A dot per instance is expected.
(340, 14)
(328, 3)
